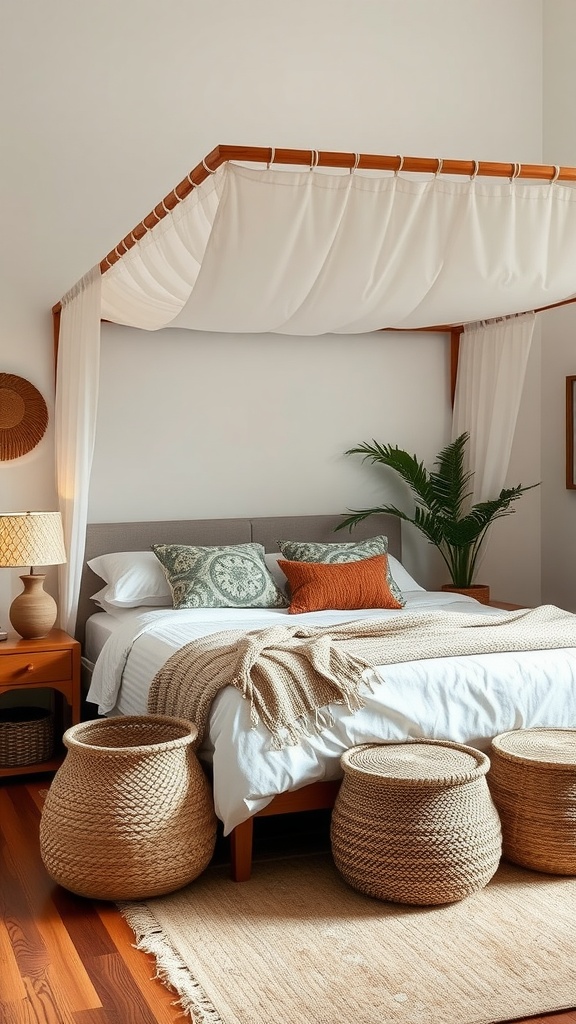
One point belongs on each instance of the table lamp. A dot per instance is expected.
(32, 538)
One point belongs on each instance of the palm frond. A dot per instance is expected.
(441, 498)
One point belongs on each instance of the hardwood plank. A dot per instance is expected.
(100, 1016)
(120, 995)
(20, 822)
(43, 1004)
(142, 967)
(28, 949)
(11, 985)
(16, 1013)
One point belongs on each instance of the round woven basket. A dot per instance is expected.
(129, 814)
(26, 736)
(414, 822)
(533, 783)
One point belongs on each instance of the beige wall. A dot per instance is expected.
(558, 326)
(112, 103)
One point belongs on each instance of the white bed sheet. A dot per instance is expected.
(99, 628)
(466, 699)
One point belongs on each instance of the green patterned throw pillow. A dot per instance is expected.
(223, 576)
(310, 551)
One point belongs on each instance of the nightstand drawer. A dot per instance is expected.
(43, 667)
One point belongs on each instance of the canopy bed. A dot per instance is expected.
(131, 641)
(385, 243)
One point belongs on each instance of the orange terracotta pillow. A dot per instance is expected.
(315, 586)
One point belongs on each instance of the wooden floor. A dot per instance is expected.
(67, 960)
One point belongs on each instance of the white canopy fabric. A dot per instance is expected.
(309, 253)
(491, 369)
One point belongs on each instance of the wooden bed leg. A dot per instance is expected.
(241, 850)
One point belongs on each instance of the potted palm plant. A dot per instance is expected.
(443, 512)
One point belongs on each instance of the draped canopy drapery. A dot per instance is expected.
(309, 253)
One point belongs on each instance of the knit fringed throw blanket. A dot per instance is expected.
(292, 674)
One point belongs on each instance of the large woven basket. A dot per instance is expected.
(129, 814)
(26, 736)
(414, 822)
(533, 783)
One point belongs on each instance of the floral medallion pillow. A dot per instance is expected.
(310, 551)
(222, 576)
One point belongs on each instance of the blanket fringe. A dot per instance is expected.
(314, 723)
(170, 968)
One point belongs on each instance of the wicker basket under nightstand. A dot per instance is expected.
(26, 736)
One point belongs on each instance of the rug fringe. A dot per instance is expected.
(170, 968)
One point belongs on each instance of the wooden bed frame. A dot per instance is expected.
(103, 538)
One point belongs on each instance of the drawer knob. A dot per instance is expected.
(29, 668)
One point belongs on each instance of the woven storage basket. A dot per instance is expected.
(129, 814)
(414, 822)
(26, 736)
(533, 783)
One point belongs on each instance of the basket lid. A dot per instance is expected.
(428, 762)
(546, 746)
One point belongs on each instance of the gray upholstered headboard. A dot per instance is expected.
(102, 538)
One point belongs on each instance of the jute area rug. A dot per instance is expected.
(297, 945)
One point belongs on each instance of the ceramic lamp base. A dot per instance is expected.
(33, 612)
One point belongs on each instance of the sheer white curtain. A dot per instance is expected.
(149, 286)
(307, 253)
(75, 427)
(491, 369)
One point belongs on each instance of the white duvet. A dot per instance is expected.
(467, 699)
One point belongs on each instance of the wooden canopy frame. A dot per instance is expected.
(326, 158)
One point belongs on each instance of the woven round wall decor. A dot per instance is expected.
(23, 416)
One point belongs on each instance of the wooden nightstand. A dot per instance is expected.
(51, 663)
(506, 606)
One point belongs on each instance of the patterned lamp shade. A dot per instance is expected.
(31, 538)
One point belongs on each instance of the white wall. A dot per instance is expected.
(559, 325)
(114, 103)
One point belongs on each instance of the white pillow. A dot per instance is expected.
(402, 577)
(280, 578)
(134, 578)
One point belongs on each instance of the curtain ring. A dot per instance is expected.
(164, 207)
(556, 174)
(176, 196)
(356, 162)
(400, 165)
(120, 254)
(439, 167)
(517, 169)
(106, 260)
(135, 240)
(206, 168)
(314, 158)
(271, 160)
(475, 171)
(189, 178)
